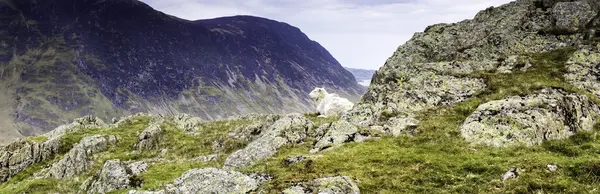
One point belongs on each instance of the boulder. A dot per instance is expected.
(573, 16)
(210, 180)
(339, 132)
(189, 124)
(548, 115)
(331, 185)
(20, 154)
(87, 122)
(149, 138)
(583, 70)
(293, 128)
(115, 175)
(79, 158)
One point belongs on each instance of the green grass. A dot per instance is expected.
(438, 160)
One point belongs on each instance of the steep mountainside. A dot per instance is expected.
(508, 102)
(363, 76)
(63, 59)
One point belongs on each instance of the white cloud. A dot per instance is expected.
(358, 33)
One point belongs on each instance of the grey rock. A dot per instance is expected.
(149, 138)
(331, 185)
(548, 115)
(552, 167)
(210, 180)
(87, 122)
(115, 175)
(260, 124)
(510, 174)
(292, 160)
(189, 124)
(429, 70)
(583, 71)
(293, 128)
(338, 133)
(20, 154)
(78, 159)
(398, 126)
(573, 16)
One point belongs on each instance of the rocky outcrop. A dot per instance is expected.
(338, 132)
(19, 155)
(79, 158)
(431, 69)
(87, 122)
(573, 16)
(149, 138)
(115, 175)
(189, 124)
(331, 185)
(260, 124)
(548, 115)
(292, 128)
(211, 180)
(583, 70)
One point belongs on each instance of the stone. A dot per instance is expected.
(520, 62)
(552, 167)
(87, 122)
(510, 174)
(399, 126)
(293, 128)
(115, 175)
(79, 158)
(330, 185)
(20, 154)
(210, 180)
(550, 114)
(149, 138)
(189, 124)
(572, 16)
(583, 70)
(339, 132)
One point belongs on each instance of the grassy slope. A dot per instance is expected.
(436, 160)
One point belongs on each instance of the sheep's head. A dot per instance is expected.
(318, 94)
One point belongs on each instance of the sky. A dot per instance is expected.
(358, 33)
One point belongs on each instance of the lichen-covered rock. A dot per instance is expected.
(293, 128)
(339, 132)
(129, 119)
(428, 70)
(20, 154)
(401, 126)
(149, 138)
(331, 185)
(583, 70)
(87, 122)
(573, 16)
(189, 124)
(210, 180)
(548, 115)
(115, 175)
(78, 159)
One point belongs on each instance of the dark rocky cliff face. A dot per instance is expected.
(63, 59)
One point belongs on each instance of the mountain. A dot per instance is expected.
(64, 59)
(363, 76)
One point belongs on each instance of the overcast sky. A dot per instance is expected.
(358, 33)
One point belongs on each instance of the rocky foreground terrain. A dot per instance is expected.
(64, 59)
(507, 102)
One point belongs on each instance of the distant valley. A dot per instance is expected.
(363, 76)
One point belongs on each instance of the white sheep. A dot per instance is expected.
(330, 104)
